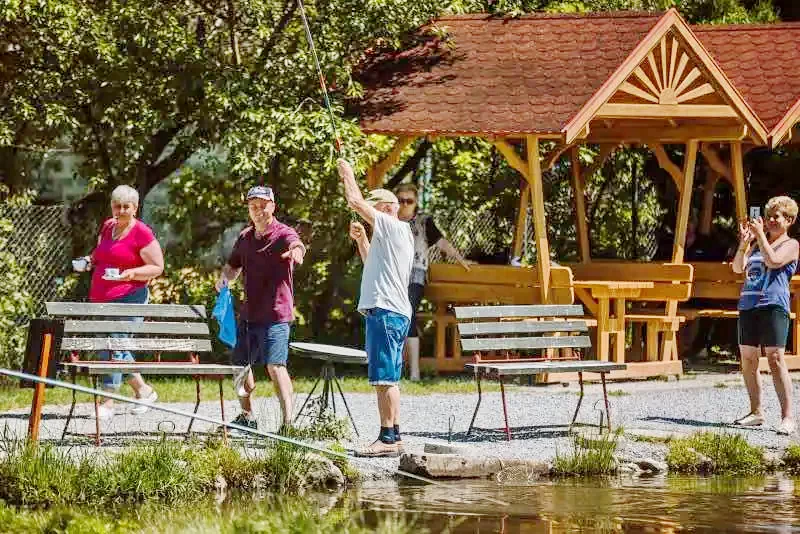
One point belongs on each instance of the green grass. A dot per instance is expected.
(618, 393)
(589, 456)
(720, 385)
(168, 472)
(791, 459)
(183, 390)
(728, 454)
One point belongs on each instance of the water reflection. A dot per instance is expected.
(662, 504)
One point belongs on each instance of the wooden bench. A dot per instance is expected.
(527, 329)
(451, 285)
(672, 283)
(165, 328)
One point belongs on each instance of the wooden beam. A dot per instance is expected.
(668, 165)
(715, 161)
(539, 221)
(519, 233)
(513, 158)
(677, 134)
(737, 167)
(582, 226)
(707, 211)
(659, 111)
(376, 173)
(685, 205)
(554, 155)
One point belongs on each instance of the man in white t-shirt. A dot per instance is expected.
(384, 300)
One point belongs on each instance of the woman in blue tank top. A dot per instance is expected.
(768, 258)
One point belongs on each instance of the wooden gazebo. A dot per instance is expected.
(611, 80)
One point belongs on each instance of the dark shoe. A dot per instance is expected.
(242, 419)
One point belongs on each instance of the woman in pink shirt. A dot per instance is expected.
(128, 245)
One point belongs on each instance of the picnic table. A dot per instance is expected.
(331, 355)
(599, 296)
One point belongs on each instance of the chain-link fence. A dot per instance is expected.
(41, 243)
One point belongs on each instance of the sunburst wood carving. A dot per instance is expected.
(667, 80)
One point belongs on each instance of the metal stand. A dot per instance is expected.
(328, 397)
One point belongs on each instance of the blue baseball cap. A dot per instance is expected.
(260, 191)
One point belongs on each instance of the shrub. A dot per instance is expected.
(707, 452)
(16, 304)
(791, 459)
(589, 456)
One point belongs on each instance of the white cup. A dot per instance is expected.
(80, 265)
(112, 272)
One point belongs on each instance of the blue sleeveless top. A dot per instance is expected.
(763, 286)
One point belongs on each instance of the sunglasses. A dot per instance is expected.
(408, 201)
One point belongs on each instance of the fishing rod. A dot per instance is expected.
(233, 426)
(337, 141)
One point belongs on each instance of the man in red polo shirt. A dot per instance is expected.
(265, 253)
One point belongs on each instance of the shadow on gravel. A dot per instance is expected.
(45, 416)
(492, 435)
(689, 422)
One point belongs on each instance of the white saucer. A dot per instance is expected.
(111, 278)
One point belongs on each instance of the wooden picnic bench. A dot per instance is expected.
(517, 330)
(163, 328)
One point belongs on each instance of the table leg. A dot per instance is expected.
(96, 414)
(580, 400)
(505, 409)
(72, 407)
(313, 389)
(480, 396)
(222, 413)
(196, 406)
(605, 398)
(619, 345)
(603, 329)
(346, 407)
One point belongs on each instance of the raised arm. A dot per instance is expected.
(745, 239)
(774, 257)
(353, 194)
(451, 251)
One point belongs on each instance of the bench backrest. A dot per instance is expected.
(495, 284)
(166, 327)
(521, 328)
(715, 280)
(672, 281)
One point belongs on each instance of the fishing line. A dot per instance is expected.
(107, 394)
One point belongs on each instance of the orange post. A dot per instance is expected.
(38, 391)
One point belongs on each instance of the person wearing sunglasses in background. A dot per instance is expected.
(426, 235)
(768, 258)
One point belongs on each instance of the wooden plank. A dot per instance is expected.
(522, 217)
(570, 366)
(148, 368)
(86, 309)
(579, 205)
(668, 165)
(659, 111)
(632, 271)
(674, 134)
(513, 158)
(376, 172)
(737, 171)
(706, 271)
(496, 312)
(685, 205)
(72, 326)
(483, 274)
(525, 343)
(135, 344)
(520, 327)
(466, 294)
(539, 222)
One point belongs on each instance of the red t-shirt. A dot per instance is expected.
(123, 254)
(268, 285)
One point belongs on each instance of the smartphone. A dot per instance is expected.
(755, 212)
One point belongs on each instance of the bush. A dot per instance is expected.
(709, 453)
(791, 459)
(16, 304)
(589, 456)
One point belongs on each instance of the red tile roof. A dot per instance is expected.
(499, 76)
(762, 61)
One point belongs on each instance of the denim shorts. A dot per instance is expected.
(262, 344)
(764, 327)
(386, 335)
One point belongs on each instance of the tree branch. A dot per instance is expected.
(288, 13)
(105, 157)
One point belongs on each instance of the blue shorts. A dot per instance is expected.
(386, 335)
(264, 344)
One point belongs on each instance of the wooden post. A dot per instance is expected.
(685, 204)
(707, 214)
(582, 225)
(519, 235)
(376, 173)
(539, 220)
(38, 391)
(737, 166)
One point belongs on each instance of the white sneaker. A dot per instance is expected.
(751, 419)
(239, 380)
(150, 398)
(786, 427)
(104, 413)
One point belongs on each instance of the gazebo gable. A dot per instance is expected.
(783, 131)
(669, 78)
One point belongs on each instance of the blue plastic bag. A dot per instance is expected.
(225, 316)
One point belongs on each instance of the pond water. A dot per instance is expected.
(671, 504)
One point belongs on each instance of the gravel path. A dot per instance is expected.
(539, 417)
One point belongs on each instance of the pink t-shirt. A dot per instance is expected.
(122, 254)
